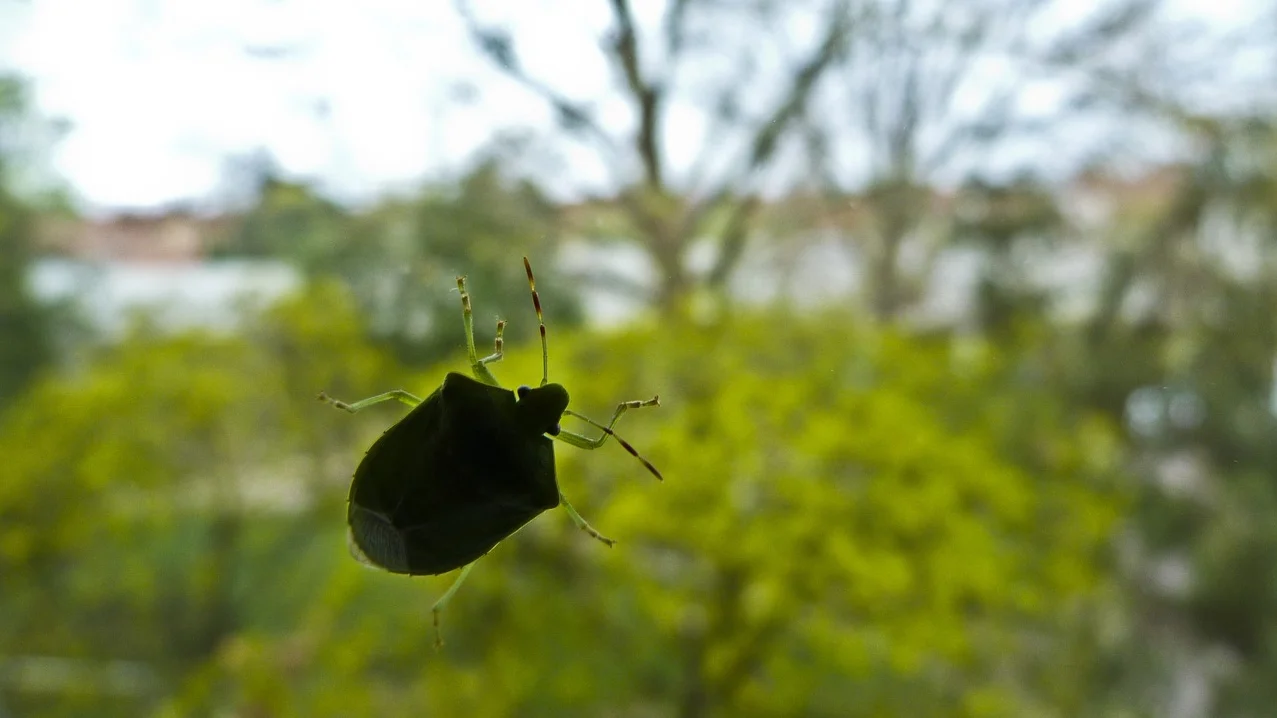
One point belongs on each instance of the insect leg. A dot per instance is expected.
(467, 316)
(620, 409)
(582, 523)
(397, 394)
(584, 442)
(442, 603)
(498, 345)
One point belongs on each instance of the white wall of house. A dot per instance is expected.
(195, 294)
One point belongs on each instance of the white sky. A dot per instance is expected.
(159, 92)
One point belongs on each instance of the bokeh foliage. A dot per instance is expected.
(1046, 508)
(26, 336)
(400, 257)
(853, 523)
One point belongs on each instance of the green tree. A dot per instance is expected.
(1193, 365)
(405, 267)
(134, 494)
(26, 337)
(853, 523)
(401, 256)
(288, 219)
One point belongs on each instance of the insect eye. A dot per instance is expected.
(554, 430)
(523, 391)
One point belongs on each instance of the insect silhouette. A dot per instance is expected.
(466, 467)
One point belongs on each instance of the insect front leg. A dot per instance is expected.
(467, 317)
(442, 603)
(397, 394)
(584, 442)
(607, 431)
(498, 345)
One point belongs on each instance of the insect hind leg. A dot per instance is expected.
(442, 603)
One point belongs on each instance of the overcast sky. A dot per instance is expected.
(166, 89)
(160, 92)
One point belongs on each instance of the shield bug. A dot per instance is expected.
(466, 467)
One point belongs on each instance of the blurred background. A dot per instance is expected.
(962, 316)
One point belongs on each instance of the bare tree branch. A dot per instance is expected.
(676, 29)
(802, 87)
(498, 47)
(646, 96)
(765, 142)
(731, 244)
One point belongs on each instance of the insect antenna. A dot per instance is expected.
(624, 444)
(536, 302)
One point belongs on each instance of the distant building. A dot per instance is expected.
(176, 295)
(159, 260)
(157, 263)
(172, 236)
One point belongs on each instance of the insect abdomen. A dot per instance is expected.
(376, 542)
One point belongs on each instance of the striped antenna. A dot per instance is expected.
(536, 302)
(624, 444)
